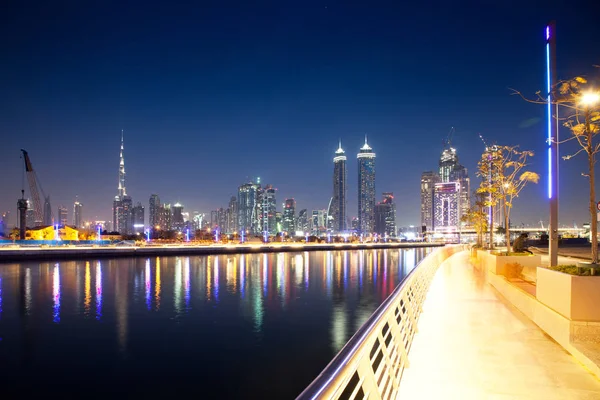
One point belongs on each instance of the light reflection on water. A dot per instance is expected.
(251, 314)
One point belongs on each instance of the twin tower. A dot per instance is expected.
(366, 191)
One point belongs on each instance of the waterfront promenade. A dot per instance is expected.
(15, 253)
(473, 344)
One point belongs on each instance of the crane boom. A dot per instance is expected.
(37, 206)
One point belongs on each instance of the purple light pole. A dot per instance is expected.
(552, 141)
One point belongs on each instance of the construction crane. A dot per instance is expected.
(33, 188)
(448, 140)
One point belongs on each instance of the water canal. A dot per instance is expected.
(228, 326)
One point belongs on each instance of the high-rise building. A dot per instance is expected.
(448, 161)
(428, 181)
(446, 207)
(138, 218)
(318, 222)
(177, 221)
(122, 221)
(460, 175)
(385, 216)
(289, 216)
(154, 211)
(303, 223)
(77, 214)
(233, 215)
(451, 171)
(47, 211)
(126, 216)
(166, 218)
(269, 209)
(366, 189)
(63, 215)
(338, 204)
(30, 216)
(249, 207)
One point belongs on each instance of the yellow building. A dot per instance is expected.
(48, 233)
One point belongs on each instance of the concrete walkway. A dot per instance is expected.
(473, 344)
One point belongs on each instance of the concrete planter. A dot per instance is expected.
(574, 297)
(497, 264)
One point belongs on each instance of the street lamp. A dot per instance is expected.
(590, 98)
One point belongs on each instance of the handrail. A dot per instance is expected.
(370, 365)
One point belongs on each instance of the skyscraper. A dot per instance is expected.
(121, 216)
(154, 211)
(446, 207)
(178, 222)
(77, 214)
(385, 216)
(126, 216)
(366, 189)
(166, 218)
(303, 224)
(233, 215)
(338, 205)
(249, 207)
(448, 161)
(63, 215)
(428, 181)
(289, 216)
(138, 218)
(269, 210)
(47, 211)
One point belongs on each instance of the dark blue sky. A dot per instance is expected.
(212, 94)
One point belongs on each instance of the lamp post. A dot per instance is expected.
(589, 100)
(552, 141)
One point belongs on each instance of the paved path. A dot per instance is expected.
(472, 344)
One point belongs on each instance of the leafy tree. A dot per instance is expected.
(580, 107)
(503, 179)
(477, 218)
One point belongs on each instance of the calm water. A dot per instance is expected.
(231, 326)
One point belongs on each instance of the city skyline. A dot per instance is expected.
(221, 103)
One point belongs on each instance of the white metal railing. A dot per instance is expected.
(370, 365)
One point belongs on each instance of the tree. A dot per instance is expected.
(503, 179)
(582, 117)
(477, 218)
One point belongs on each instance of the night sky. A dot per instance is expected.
(213, 94)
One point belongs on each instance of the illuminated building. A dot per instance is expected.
(30, 216)
(448, 161)
(278, 221)
(165, 218)
(428, 181)
(460, 175)
(269, 209)
(138, 218)
(385, 216)
(177, 220)
(446, 207)
(47, 211)
(289, 216)
(62, 216)
(154, 211)
(126, 216)
(77, 214)
(302, 224)
(233, 215)
(122, 203)
(354, 224)
(249, 207)
(366, 189)
(318, 222)
(338, 204)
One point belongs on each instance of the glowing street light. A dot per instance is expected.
(590, 98)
